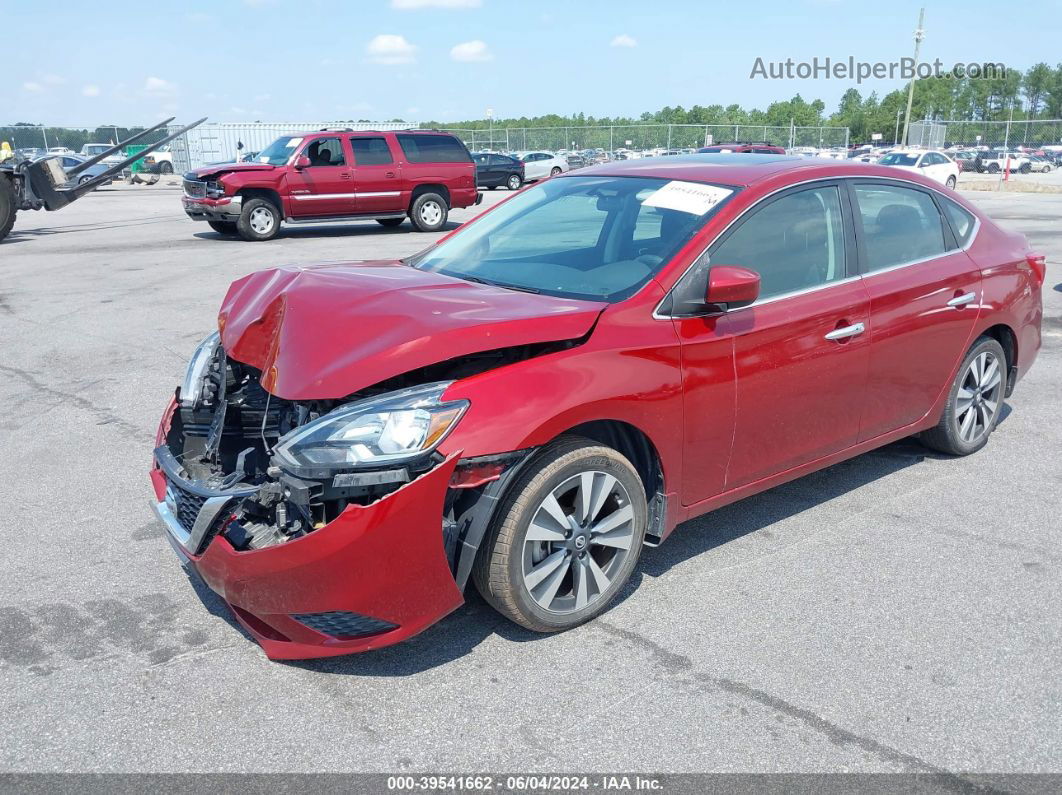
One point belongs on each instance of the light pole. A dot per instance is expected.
(896, 132)
(490, 127)
(919, 34)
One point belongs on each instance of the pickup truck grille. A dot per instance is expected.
(197, 190)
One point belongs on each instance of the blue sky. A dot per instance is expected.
(311, 60)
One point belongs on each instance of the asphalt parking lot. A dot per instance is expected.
(901, 611)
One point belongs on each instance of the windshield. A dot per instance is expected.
(592, 238)
(898, 159)
(278, 152)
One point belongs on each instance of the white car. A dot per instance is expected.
(539, 165)
(935, 165)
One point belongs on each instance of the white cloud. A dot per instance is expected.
(416, 5)
(388, 48)
(156, 86)
(623, 40)
(470, 51)
(32, 87)
(90, 91)
(54, 80)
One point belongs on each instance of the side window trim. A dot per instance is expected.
(864, 270)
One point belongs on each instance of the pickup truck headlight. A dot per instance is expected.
(192, 388)
(397, 426)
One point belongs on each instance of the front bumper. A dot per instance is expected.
(227, 208)
(374, 576)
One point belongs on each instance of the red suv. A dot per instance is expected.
(743, 148)
(568, 377)
(330, 175)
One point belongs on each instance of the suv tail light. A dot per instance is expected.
(1038, 262)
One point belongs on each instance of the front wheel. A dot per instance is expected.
(1025, 168)
(8, 206)
(950, 182)
(259, 220)
(428, 212)
(165, 167)
(514, 182)
(974, 402)
(993, 169)
(554, 171)
(566, 537)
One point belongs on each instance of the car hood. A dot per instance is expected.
(226, 168)
(323, 332)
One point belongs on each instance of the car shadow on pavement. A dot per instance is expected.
(459, 633)
(352, 229)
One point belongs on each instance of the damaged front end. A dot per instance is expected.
(328, 526)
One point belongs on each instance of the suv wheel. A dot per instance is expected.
(165, 167)
(993, 168)
(566, 537)
(974, 402)
(950, 182)
(389, 222)
(514, 182)
(429, 212)
(260, 220)
(1025, 168)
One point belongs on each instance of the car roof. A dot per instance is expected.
(735, 169)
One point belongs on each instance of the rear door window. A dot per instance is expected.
(900, 225)
(961, 219)
(371, 151)
(433, 149)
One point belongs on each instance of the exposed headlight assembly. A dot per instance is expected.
(395, 427)
(192, 388)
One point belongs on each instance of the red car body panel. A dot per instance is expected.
(731, 404)
(318, 332)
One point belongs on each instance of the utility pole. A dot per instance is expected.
(919, 34)
(490, 123)
(896, 132)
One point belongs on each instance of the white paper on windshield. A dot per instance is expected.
(291, 144)
(687, 197)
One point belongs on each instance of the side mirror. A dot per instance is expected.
(731, 286)
(301, 162)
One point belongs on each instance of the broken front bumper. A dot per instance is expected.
(227, 208)
(374, 576)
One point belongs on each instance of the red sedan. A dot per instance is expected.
(569, 377)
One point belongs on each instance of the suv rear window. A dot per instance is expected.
(433, 149)
(370, 151)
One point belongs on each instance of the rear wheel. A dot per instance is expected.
(429, 212)
(390, 222)
(950, 182)
(514, 182)
(1025, 168)
(165, 167)
(223, 227)
(566, 537)
(259, 220)
(7, 205)
(974, 402)
(554, 171)
(993, 168)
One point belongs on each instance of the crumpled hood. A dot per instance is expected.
(326, 331)
(228, 168)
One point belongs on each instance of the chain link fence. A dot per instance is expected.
(1034, 133)
(645, 137)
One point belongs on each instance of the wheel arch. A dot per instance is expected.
(269, 194)
(1005, 336)
(430, 187)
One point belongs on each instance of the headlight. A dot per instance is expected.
(192, 388)
(394, 427)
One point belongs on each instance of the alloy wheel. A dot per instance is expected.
(261, 220)
(578, 541)
(978, 398)
(430, 213)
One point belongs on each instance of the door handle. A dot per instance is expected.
(960, 301)
(344, 175)
(390, 173)
(845, 332)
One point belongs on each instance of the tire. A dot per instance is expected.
(259, 220)
(993, 169)
(950, 182)
(390, 222)
(8, 205)
(429, 212)
(165, 167)
(549, 583)
(970, 418)
(223, 227)
(554, 171)
(491, 187)
(514, 182)
(1025, 168)
(1046, 169)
